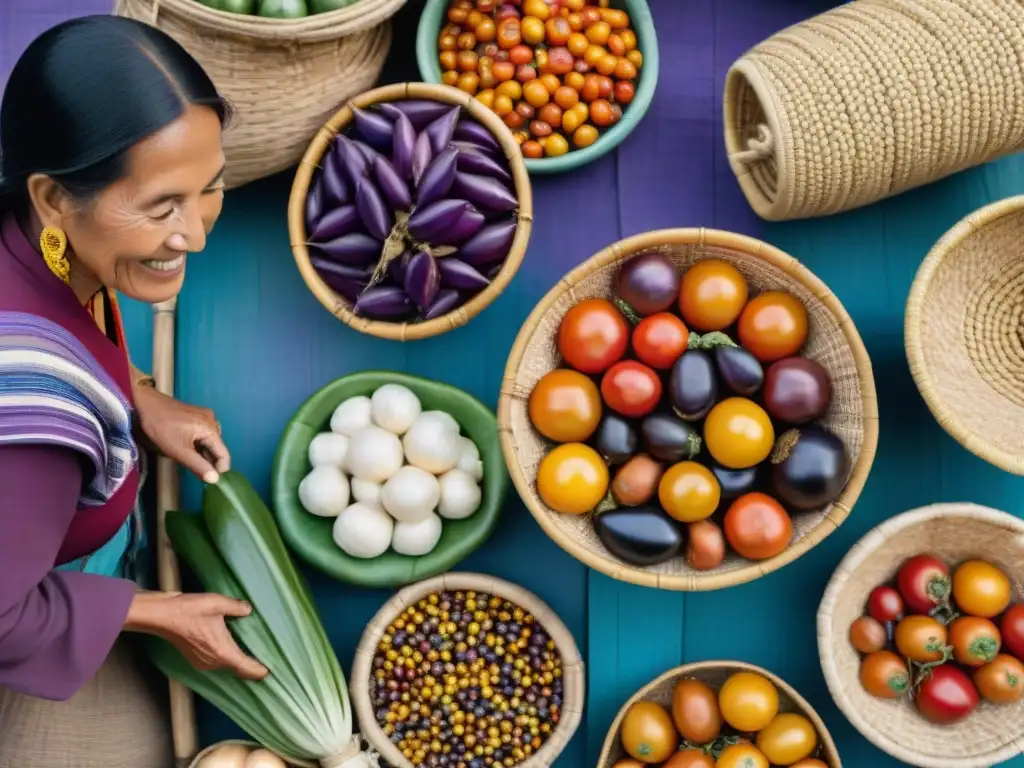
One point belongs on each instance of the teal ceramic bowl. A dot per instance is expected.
(647, 42)
(309, 536)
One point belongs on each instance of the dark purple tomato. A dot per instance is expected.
(797, 390)
(615, 439)
(811, 467)
(736, 482)
(668, 438)
(692, 386)
(648, 283)
(740, 370)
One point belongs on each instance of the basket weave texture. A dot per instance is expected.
(284, 78)
(873, 98)
(965, 333)
(714, 674)
(573, 672)
(954, 533)
(832, 341)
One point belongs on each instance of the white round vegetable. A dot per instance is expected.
(374, 454)
(324, 491)
(432, 443)
(460, 495)
(264, 758)
(410, 494)
(469, 459)
(395, 408)
(444, 418)
(227, 756)
(328, 448)
(366, 491)
(419, 538)
(363, 530)
(351, 416)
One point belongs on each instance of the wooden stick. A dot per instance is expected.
(183, 711)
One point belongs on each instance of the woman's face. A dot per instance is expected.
(135, 235)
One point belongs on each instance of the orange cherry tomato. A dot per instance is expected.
(624, 92)
(509, 33)
(711, 295)
(975, 641)
(603, 113)
(757, 526)
(742, 756)
(593, 335)
(1002, 680)
(689, 492)
(533, 150)
(981, 589)
(558, 31)
(577, 44)
(738, 433)
(773, 326)
(660, 339)
(572, 479)
(520, 54)
(565, 406)
(884, 675)
(921, 639)
(631, 388)
(584, 136)
(566, 97)
(535, 93)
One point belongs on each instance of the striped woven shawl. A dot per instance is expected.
(54, 392)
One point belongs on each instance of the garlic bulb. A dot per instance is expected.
(419, 538)
(460, 495)
(351, 416)
(227, 756)
(432, 442)
(410, 494)
(395, 407)
(328, 448)
(363, 530)
(264, 758)
(324, 491)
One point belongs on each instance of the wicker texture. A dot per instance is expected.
(833, 341)
(873, 98)
(342, 308)
(573, 672)
(964, 322)
(954, 533)
(714, 674)
(284, 78)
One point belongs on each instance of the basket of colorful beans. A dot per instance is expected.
(571, 78)
(467, 669)
(688, 409)
(411, 211)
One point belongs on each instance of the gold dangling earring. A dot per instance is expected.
(53, 243)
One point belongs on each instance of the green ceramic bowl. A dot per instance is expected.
(309, 536)
(647, 41)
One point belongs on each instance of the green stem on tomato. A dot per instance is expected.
(607, 504)
(709, 341)
(630, 314)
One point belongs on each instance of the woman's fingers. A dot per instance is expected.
(198, 465)
(244, 666)
(217, 452)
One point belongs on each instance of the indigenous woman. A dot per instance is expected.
(111, 176)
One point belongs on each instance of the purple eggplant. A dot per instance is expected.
(490, 245)
(368, 152)
(333, 185)
(419, 111)
(422, 279)
(421, 157)
(471, 222)
(473, 132)
(373, 210)
(397, 267)
(484, 192)
(445, 302)
(374, 128)
(348, 282)
(402, 146)
(430, 222)
(477, 162)
(459, 275)
(471, 148)
(357, 249)
(441, 130)
(385, 302)
(349, 162)
(395, 190)
(314, 203)
(335, 223)
(438, 177)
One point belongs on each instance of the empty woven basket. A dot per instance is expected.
(965, 333)
(954, 533)
(284, 77)
(873, 98)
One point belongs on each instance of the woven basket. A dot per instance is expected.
(833, 341)
(873, 98)
(340, 307)
(715, 673)
(953, 532)
(573, 674)
(964, 339)
(283, 77)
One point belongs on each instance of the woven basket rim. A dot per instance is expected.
(573, 668)
(709, 580)
(689, 670)
(338, 306)
(843, 574)
(241, 742)
(945, 413)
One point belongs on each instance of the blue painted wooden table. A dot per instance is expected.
(253, 344)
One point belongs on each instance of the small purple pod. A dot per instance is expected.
(422, 154)
(384, 302)
(333, 186)
(390, 183)
(375, 129)
(472, 131)
(348, 282)
(356, 249)
(422, 279)
(460, 275)
(438, 177)
(490, 245)
(367, 152)
(444, 303)
(430, 222)
(441, 130)
(335, 223)
(314, 204)
(475, 149)
(401, 150)
(484, 192)
(397, 267)
(374, 212)
(471, 222)
(485, 165)
(420, 112)
(348, 161)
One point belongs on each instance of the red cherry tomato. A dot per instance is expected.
(1012, 630)
(660, 339)
(885, 604)
(946, 695)
(593, 335)
(923, 581)
(631, 388)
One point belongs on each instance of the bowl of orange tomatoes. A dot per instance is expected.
(570, 78)
(689, 409)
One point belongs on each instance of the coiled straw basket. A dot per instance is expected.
(833, 341)
(284, 77)
(873, 98)
(964, 333)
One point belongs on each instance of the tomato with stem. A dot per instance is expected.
(976, 641)
(884, 675)
(924, 584)
(1001, 681)
(885, 604)
(922, 639)
(945, 694)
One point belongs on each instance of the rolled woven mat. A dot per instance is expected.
(873, 98)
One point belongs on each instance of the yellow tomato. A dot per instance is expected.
(537, 8)
(572, 479)
(741, 756)
(532, 30)
(738, 433)
(748, 701)
(689, 491)
(787, 739)
(981, 589)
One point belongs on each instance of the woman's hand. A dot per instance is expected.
(195, 625)
(187, 434)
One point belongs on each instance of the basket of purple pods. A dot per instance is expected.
(410, 211)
